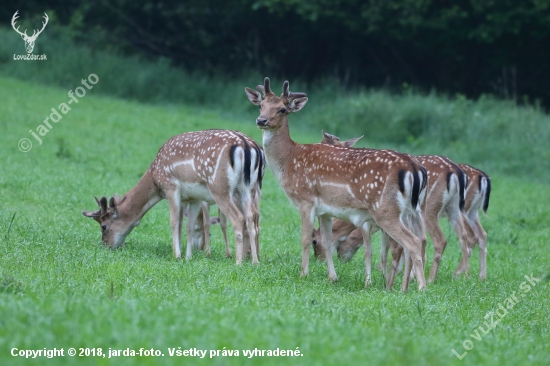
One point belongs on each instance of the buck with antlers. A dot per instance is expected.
(445, 198)
(29, 40)
(362, 186)
(216, 166)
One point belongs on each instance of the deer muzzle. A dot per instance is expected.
(261, 122)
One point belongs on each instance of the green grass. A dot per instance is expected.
(59, 287)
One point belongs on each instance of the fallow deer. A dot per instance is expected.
(478, 191)
(378, 187)
(217, 166)
(445, 198)
(347, 238)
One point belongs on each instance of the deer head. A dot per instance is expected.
(273, 114)
(114, 226)
(29, 40)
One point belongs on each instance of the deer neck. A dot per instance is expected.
(341, 228)
(279, 148)
(140, 199)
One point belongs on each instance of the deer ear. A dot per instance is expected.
(351, 142)
(254, 96)
(329, 139)
(297, 104)
(91, 214)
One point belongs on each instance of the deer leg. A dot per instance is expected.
(463, 238)
(439, 242)
(223, 226)
(206, 228)
(384, 255)
(396, 255)
(419, 230)
(400, 233)
(366, 231)
(307, 228)
(251, 229)
(256, 212)
(325, 225)
(229, 209)
(194, 211)
(482, 239)
(176, 218)
(408, 272)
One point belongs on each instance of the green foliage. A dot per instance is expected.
(495, 135)
(473, 47)
(59, 287)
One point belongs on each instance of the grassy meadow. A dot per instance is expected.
(60, 288)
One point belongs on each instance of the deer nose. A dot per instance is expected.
(261, 121)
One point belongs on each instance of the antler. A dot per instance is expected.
(267, 90)
(290, 95)
(34, 34)
(113, 202)
(43, 26)
(102, 203)
(15, 16)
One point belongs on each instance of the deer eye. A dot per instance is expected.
(103, 227)
(282, 110)
(314, 242)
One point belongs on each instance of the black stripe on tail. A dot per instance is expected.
(232, 155)
(401, 180)
(247, 160)
(487, 193)
(462, 182)
(416, 188)
(462, 186)
(247, 163)
(416, 185)
(424, 178)
(259, 162)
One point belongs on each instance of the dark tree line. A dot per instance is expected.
(470, 46)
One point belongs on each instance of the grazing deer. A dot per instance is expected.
(478, 191)
(29, 41)
(216, 166)
(373, 187)
(445, 198)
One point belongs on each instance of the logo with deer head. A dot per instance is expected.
(29, 40)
